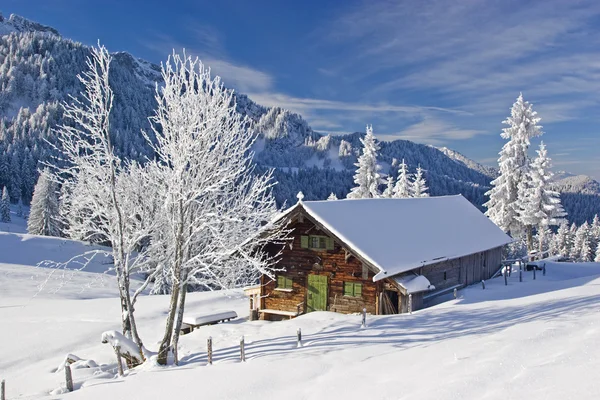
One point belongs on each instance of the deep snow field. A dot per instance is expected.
(532, 340)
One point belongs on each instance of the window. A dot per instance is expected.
(353, 289)
(445, 276)
(284, 282)
(316, 242)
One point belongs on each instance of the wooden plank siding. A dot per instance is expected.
(464, 270)
(299, 262)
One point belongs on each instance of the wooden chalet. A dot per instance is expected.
(347, 255)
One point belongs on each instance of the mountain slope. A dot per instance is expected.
(38, 71)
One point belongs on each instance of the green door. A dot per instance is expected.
(317, 293)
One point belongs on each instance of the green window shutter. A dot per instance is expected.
(358, 290)
(329, 243)
(288, 282)
(304, 242)
(348, 289)
(280, 281)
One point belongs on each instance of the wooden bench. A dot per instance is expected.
(192, 322)
(290, 314)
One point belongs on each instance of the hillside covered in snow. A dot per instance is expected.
(535, 339)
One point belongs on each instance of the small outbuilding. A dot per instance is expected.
(346, 255)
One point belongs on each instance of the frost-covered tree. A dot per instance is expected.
(389, 187)
(20, 212)
(502, 207)
(419, 186)
(563, 241)
(597, 258)
(582, 249)
(403, 189)
(537, 204)
(5, 206)
(332, 196)
(97, 197)
(44, 217)
(217, 215)
(367, 178)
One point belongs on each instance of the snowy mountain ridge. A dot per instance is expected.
(38, 71)
(16, 23)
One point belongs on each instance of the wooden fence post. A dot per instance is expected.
(364, 318)
(520, 272)
(299, 333)
(3, 390)
(242, 350)
(505, 274)
(544, 270)
(483, 284)
(68, 378)
(534, 268)
(209, 350)
(410, 303)
(455, 293)
(119, 360)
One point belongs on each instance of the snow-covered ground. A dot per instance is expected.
(535, 340)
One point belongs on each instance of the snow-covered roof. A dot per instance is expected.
(414, 283)
(399, 235)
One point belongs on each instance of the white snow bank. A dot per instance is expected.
(399, 235)
(414, 283)
(203, 319)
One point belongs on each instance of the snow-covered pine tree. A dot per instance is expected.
(419, 186)
(537, 204)
(332, 196)
(389, 188)
(367, 178)
(20, 208)
(595, 232)
(502, 206)
(402, 189)
(597, 258)
(562, 240)
(44, 216)
(582, 250)
(5, 206)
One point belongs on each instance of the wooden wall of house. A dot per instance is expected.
(299, 263)
(465, 270)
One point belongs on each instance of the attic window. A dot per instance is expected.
(316, 242)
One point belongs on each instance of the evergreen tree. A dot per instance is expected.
(389, 189)
(44, 211)
(502, 207)
(20, 207)
(537, 204)
(582, 250)
(402, 189)
(419, 188)
(562, 240)
(597, 258)
(332, 196)
(5, 206)
(367, 177)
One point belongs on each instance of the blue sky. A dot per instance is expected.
(436, 72)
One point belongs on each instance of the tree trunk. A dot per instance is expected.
(163, 351)
(529, 242)
(541, 237)
(178, 322)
